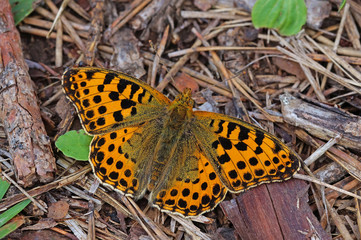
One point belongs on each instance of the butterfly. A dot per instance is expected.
(187, 160)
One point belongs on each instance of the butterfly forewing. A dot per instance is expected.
(243, 155)
(108, 100)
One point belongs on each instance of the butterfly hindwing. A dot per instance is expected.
(107, 100)
(243, 155)
(193, 187)
(111, 163)
(122, 157)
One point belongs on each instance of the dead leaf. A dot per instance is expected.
(204, 5)
(58, 210)
(44, 223)
(289, 67)
(183, 81)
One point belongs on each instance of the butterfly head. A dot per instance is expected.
(182, 106)
(185, 98)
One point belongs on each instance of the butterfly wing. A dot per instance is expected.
(107, 100)
(120, 158)
(243, 155)
(192, 186)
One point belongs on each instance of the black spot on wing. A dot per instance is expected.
(226, 143)
(140, 96)
(258, 150)
(223, 158)
(277, 148)
(122, 85)
(109, 77)
(241, 146)
(89, 74)
(231, 127)
(126, 103)
(220, 127)
(211, 123)
(97, 99)
(134, 89)
(243, 133)
(114, 96)
(150, 98)
(259, 137)
(101, 88)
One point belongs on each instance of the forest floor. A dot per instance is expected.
(304, 89)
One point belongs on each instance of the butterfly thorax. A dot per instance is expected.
(180, 110)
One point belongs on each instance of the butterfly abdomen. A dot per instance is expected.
(175, 123)
(165, 153)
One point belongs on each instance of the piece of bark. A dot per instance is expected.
(126, 57)
(322, 121)
(141, 20)
(29, 144)
(274, 211)
(317, 11)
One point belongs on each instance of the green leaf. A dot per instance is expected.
(287, 16)
(343, 3)
(22, 8)
(10, 213)
(10, 227)
(4, 186)
(13, 211)
(75, 144)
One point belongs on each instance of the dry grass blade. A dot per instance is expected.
(201, 79)
(300, 57)
(158, 55)
(24, 192)
(147, 224)
(7, 202)
(358, 213)
(136, 6)
(342, 64)
(318, 153)
(189, 226)
(314, 180)
(197, 14)
(220, 48)
(186, 57)
(57, 17)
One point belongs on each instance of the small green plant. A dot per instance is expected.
(9, 214)
(342, 5)
(75, 144)
(22, 8)
(287, 16)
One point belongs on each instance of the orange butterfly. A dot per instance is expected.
(187, 160)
